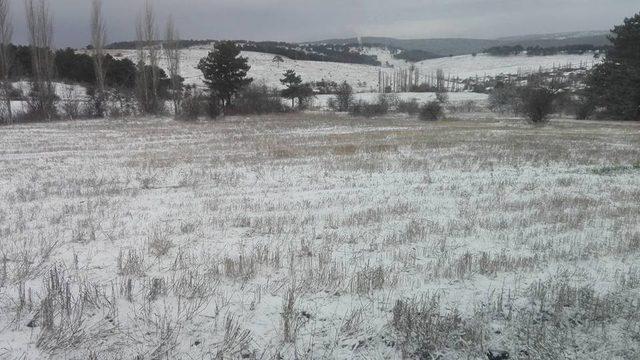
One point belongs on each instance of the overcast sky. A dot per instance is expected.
(306, 20)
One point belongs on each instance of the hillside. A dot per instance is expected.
(364, 78)
(341, 53)
(464, 46)
(444, 46)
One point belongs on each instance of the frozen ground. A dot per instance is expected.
(364, 78)
(318, 236)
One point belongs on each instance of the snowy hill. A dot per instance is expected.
(463, 46)
(364, 78)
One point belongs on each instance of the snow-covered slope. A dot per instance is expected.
(364, 78)
(466, 66)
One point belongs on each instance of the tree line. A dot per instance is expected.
(546, 51)
(108, 80)
(306, 52)
(123, 87)
(118, 87)
(71, 66)
(610, 90)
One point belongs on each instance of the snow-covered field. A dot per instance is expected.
(364, 78)
(318, 236)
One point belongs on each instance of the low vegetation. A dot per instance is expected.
(431, 111)
(395, 238)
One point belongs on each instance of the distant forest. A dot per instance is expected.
(415, 55)
(182, 44)
(308, 52)
(546, 51)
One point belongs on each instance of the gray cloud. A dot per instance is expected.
(303, 20)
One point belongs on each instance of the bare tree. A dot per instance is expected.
(146, 32)
(278, 60)
(6, 33)
(441, 87)
(40, 25)
(98, 41)
(142, 83)
(172, 53)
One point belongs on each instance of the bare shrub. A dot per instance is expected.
(147, 177)
(363, 108)
(467, 106)
(257, 99)
(192, 104)
(70, 105)
(584, 107)
(64, 314)
(537, 104)
(159, 242)
(131, 263)
(431, 111)
(369, 279)
(343, 99)
(121, 103)
(193, 285)
(442, 97)
(332, 104)
(97, 103)
(504, 98)
(84, 231)
(561, 312)
(411, 107)
(236, 339)
(157, 287)
(423, 332)
(242, 267)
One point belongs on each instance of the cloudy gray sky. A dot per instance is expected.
(305, 20)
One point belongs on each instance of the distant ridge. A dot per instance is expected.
(463, 46)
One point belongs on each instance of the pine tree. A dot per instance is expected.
(613, 84)
(292, 81)
(225, 71)
(295, 88)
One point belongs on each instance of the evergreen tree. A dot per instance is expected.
(614, 84)
(295, 88)
(292, 81)
(120, 73)
(225, 71)
(74, 67)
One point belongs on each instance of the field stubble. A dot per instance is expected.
(319, 236)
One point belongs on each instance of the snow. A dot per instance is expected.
(469, 66)
(364, 78)
(178, 238)
(64, 91)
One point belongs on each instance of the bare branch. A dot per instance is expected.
(6, 33)
(98, 42)
(146, 33)
(172, 53)
(40, 25)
